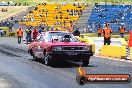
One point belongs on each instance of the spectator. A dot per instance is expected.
(52, 28)
(28, 37)
(4, 10)
(67, 10)
(64, 23)
(19, 4)
(76, 12)
(11, 18)
(72, 12)
(46, 13)
(71, 22)
(15, 4)
(8, 3)
(61, 16)
(36, 8)
(78, 4)
(56, 17)
(74, 4)
(80, 11)
(35, 34)
(76, 32)
(47, 27)
(10, 26)
(41, 29)
(66, 17)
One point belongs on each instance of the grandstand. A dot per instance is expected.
(115, 15)
(60, 16)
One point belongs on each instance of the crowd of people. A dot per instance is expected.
(60, 15)
(33, 32)
(4, 10)
(29, 33)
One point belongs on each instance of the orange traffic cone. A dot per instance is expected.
(130, 40)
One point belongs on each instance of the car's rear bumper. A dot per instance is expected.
(71, 55)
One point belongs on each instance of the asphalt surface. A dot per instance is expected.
(17, 70)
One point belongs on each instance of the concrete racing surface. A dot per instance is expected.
(17, 70)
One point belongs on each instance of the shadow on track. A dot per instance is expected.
(67, 64)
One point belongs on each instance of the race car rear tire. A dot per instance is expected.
(31, 52)
(85, 62)
(47, 60)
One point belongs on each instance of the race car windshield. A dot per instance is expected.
(60, 36)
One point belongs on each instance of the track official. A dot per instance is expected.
(19, 34)
(122, 31)
(107, 34)
(99, 32)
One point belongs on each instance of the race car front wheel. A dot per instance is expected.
(47, 59)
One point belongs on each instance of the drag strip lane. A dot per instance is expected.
(16, 62)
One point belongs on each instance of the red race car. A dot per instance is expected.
(51, 46)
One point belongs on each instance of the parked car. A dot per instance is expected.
(58, 45)
(2, 32)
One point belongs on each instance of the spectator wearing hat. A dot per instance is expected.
(76, 32)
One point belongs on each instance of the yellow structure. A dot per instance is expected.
(57, 15)
(131, 53)
(113, 51)
(123, 41)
